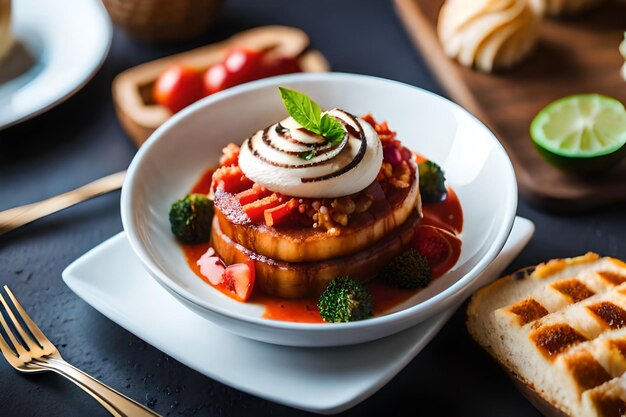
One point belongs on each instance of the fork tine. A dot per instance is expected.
(32, 345)
(8, 353)
(17, 345)
(39, 336)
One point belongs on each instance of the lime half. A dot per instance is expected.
(585, 132)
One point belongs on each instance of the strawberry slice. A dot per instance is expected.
(440, 247)
(239, 278)
(256, 209)
(279, 214)
(211, 267)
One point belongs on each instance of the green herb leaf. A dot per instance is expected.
(307, 112)
(303, 110)
(307, 155)
(332, 129)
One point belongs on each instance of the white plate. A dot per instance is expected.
(68, 39)
(322, 380)
(169, 163)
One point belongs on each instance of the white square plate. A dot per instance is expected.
(323, 380)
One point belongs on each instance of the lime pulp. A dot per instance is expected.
(584, 126)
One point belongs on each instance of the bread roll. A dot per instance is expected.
(563, 7)
(488, 34)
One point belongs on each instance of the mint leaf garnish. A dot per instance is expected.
(332, 129)
(303, 110)
(309, 114)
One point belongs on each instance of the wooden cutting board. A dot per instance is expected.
(576, 55)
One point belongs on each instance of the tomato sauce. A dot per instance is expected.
(203, 185)
(446, 215)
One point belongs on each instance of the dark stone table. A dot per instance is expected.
(81, 140)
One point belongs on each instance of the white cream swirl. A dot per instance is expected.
(288, 159)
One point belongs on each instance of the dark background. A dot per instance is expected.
(81, 140)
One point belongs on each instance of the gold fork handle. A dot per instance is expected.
(13, 218)
(117, 404)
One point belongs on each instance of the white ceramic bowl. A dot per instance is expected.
(169, 163)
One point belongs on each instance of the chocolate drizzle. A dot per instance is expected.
(280, 129)
(318, 148)
(357, 158)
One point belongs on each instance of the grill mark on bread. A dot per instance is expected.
(586, 371)
(579, 376)
(552, 340)
(613, 278)
(619, 345)
(608, 406)
(523, 273)
(573, 289)
(528, 310)
(611, 314)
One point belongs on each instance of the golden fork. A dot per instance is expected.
(15, 217)
(40, 355)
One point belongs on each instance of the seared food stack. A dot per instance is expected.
(299, 244)
(560, 328)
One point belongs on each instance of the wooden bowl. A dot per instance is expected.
(163, 20)
(132, 89)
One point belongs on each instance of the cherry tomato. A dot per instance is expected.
(178, 87)
(282, 65)
(244, 65)
(240, 66)
(214, 79)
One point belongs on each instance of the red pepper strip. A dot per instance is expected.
(255, 193)
(255, 210)
(277, 215)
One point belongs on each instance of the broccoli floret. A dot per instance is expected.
(407, 271)
(345, 299)
(432, 182)
(190, 218)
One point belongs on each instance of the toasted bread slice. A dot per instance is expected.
(560, 328)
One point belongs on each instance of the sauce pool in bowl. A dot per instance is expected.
(446, 215)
